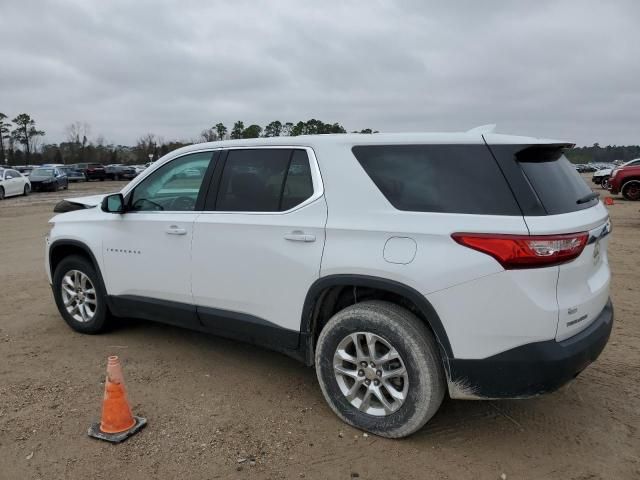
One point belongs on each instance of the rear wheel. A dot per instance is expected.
(605, 183)
(79, 295)
(379, 369)
(631, 190)
(1, 193)
(27, 189)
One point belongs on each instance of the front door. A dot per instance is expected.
(147, 250)
(258, 249)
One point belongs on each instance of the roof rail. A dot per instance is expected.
(489, 128)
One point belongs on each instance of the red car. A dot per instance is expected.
(626, 180)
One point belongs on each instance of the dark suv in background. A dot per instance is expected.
(92, 171)
(120, 172)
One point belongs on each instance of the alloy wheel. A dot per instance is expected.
(79, 296)
(370, 374)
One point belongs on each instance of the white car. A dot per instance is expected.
(13, 183)
(403, 266)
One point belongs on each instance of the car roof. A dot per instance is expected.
(474, 136)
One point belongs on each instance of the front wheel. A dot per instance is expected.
(79, 295)
(1, 193)
(379, 369)
(631, 190)
(27, 189)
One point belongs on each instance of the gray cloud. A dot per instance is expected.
(562, 69)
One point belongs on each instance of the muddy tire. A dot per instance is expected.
(80, 295)
(376, 399)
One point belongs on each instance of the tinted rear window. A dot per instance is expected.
(556, 182)
(438, 178)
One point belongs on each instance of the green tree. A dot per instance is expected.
(4, 133)
(221, 130)
(252, 131)
(238, 130)
(286, 129)
(274, 129)
(26, 133)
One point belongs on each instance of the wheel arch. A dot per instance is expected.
(324, 299)
(60, 249)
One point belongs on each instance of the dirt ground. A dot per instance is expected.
(222, 409)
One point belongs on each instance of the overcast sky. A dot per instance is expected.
(560, 69)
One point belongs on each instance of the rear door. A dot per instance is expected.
(559, 202)
(257, 250)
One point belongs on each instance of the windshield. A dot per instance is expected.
(42, 172)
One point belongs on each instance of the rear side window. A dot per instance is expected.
(438, 178)
(558, 185)
(264, 180)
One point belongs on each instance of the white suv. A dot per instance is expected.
(403, 266)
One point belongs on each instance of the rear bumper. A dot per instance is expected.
(531, 369)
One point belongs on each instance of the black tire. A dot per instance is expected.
(101, 319)
(116, 177)
(1, 193)
(418, 350)
(27, 189)
(55, 187)
(631, 190)
(605, 183)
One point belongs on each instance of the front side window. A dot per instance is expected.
(264, 180)
(173, 187)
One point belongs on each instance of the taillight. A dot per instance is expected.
(524, 251)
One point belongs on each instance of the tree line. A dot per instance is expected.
(608, 154)
(21, 142)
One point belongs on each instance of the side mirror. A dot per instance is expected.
(113, 203)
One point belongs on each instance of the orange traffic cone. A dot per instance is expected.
(117, 423)
(608, 201)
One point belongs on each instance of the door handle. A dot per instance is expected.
(298, 236)
(175, 230)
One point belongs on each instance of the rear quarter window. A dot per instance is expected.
(438, 178)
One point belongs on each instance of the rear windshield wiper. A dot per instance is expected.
(587, 198)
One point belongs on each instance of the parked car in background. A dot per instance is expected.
(139, 168)
(24, 169)
(626, 180)
(93, 171)
(601, 176)
(74, 174)
(48, 178)
(12, 183)
(378, 271)
(120, 172)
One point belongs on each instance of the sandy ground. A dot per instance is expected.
(221, 409)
